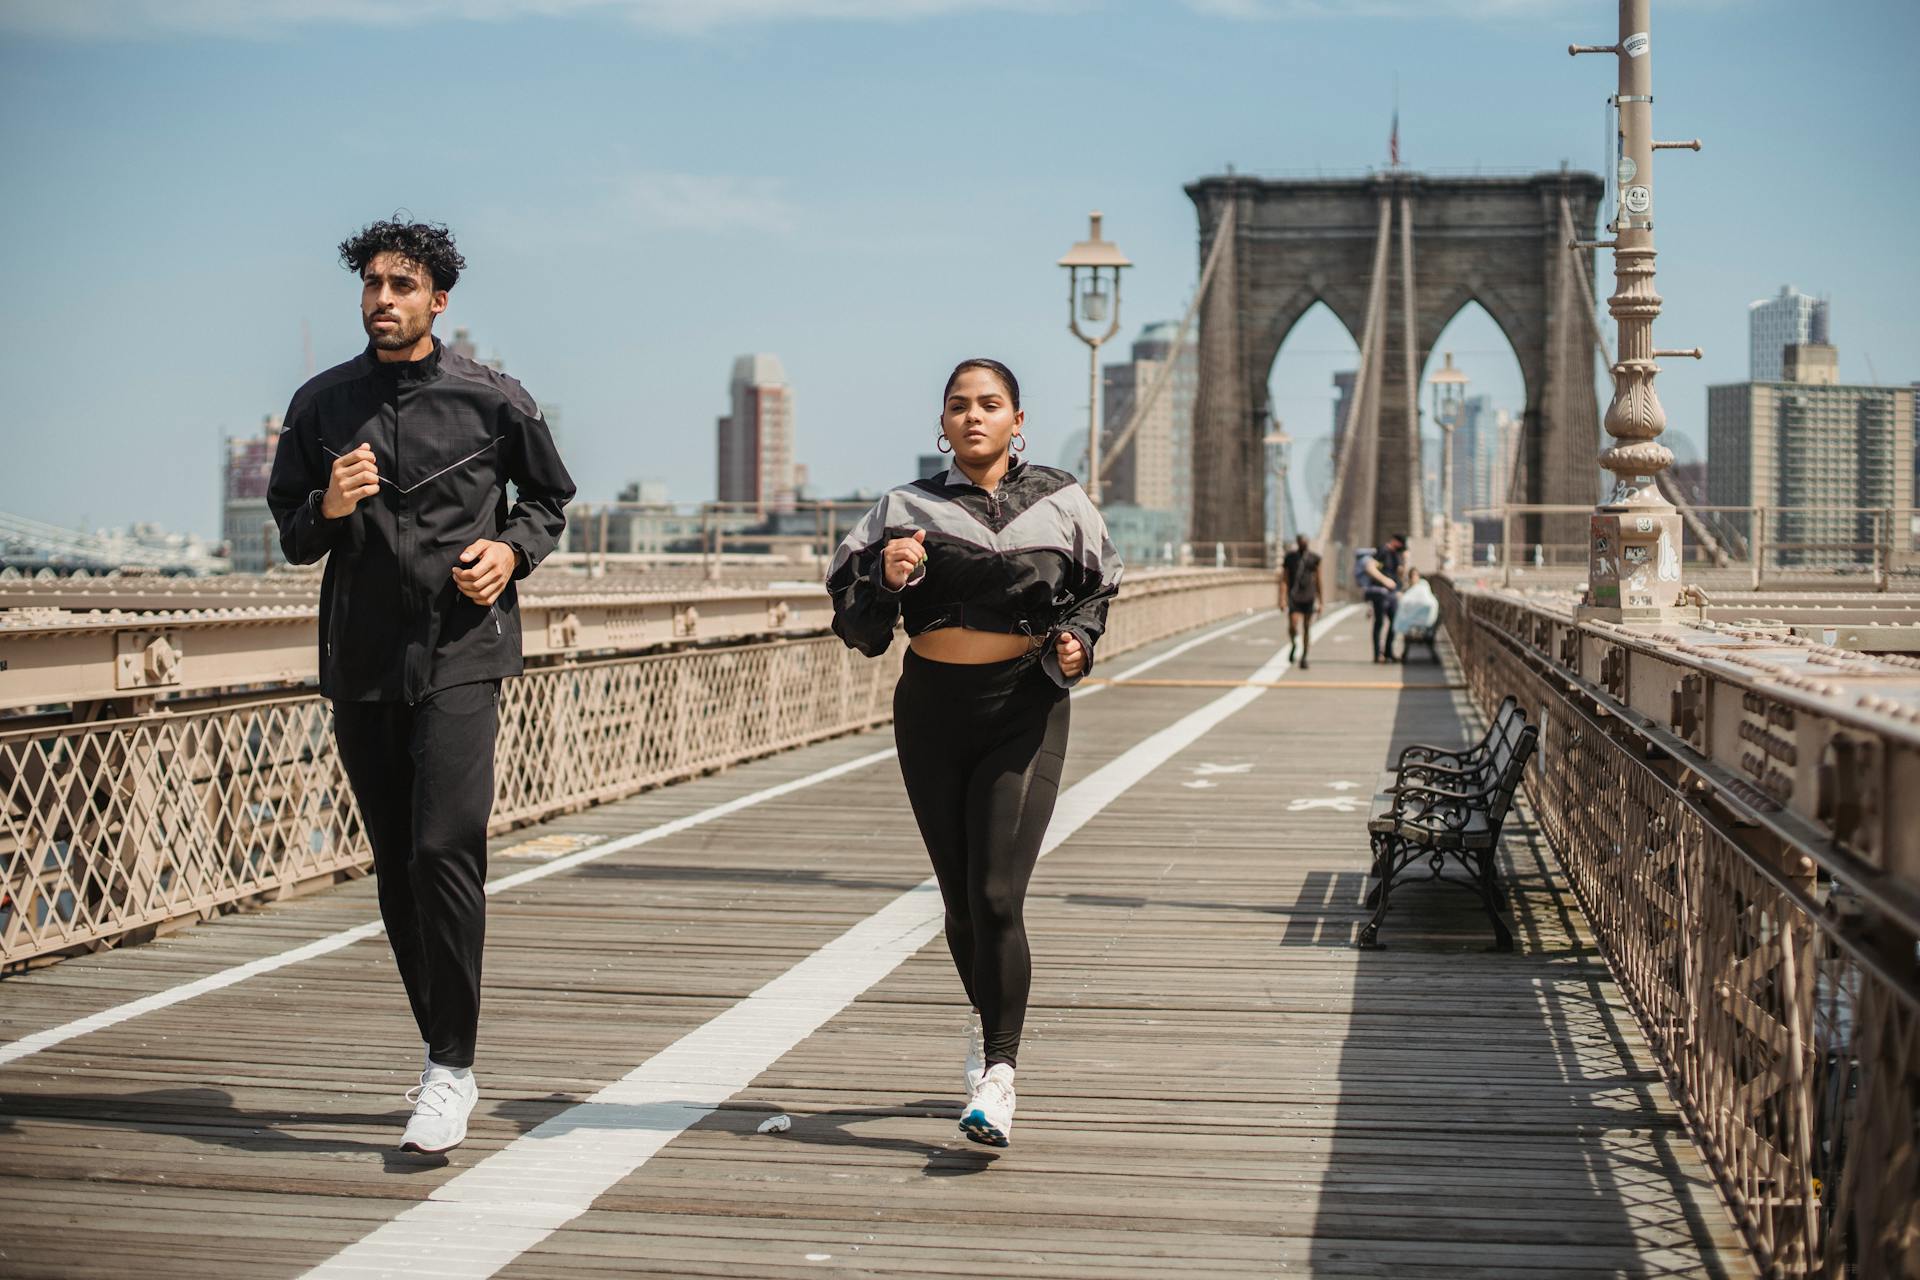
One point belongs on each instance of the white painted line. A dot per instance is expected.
(39, 1040)
(481, 1220)
(1177, 650)
(34, 1043)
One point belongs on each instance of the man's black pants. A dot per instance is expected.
(423, 776)
(1385, 605)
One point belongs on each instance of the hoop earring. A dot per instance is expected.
(1019, 442)
(943, 444)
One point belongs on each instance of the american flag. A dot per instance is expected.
(1393, 141)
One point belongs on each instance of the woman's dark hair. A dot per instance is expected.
(428, 243)
(994, 367)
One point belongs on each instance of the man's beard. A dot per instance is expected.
(398, 338)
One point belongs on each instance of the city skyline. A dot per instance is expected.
(617, 271)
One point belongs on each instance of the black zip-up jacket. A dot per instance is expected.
(448, 434)
(1030, 558)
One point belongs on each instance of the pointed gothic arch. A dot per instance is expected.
(1494, 241)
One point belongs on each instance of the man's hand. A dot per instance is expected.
(485, 569)
(900, 557)
(1072, 656)
(354, 477)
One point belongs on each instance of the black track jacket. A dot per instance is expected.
(448, 434)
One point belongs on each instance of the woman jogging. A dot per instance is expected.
(1002, 571)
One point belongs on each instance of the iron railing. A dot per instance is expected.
(1785, 1012)
(113, 830)
(1754, 546)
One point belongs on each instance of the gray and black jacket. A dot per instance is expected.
(448, 434)
(1031, 558)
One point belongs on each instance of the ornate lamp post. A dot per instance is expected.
(1279, 445)
(1449, 409)
(1096, 301)
(1634, 551)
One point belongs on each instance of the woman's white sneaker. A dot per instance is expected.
(976, 1060)
(988, 1117)
(441, 1104)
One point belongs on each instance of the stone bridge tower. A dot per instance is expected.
(1500, 242)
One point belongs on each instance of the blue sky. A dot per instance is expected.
(870, 189)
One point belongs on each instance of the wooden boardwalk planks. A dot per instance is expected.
(1213, 1083)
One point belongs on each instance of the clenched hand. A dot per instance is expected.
(900, 557)
(484, 570)
(1071, 654)
(354, 476)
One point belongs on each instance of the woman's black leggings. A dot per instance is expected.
(980, 750)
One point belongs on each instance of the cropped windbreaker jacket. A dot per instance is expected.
(1030, 558)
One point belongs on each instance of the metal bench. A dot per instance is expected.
(1420, 635)
(1421, 753)
(1431, 764)
(1434, 813)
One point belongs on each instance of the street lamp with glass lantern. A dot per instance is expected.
(1279, 445)
(1096, 301)
(1449, 410)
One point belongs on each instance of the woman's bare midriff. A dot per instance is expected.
(969, 647)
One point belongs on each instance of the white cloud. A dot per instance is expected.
(99, 19)
(612, 210)
(704, 202)
(257, 18)
(1463, 10)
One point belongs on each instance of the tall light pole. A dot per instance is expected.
(1634, 550)
(1098, 301)
(1278, 444)
(1449, 408)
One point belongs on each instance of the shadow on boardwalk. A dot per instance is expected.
(1495, 1108)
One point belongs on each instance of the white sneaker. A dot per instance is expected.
(988, 1118)
(441, 1105)
(976, 1060)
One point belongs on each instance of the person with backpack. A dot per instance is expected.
(1301, 592)
(1379, 579)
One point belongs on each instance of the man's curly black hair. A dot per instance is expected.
(428, 243)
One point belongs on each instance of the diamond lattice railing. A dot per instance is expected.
(110, 830)
(1793, 1045)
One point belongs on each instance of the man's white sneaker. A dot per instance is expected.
(976, 1061)
(441, 1105)
(988, 1118)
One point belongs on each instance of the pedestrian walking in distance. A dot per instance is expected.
(1001, 570)
(1380, 580)
(1301, 592)
(395, 466)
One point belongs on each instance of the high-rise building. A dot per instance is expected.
(1155, 471)
(756, 438)
(1342, 406)
(1479, 452)
(929, 465)
(1774, 324)
(246, 525)
(464, 345)
(1822, 458)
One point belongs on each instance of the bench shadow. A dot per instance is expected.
(1491, 1118)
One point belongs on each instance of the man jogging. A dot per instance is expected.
(1301, 592)
(395, 467)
